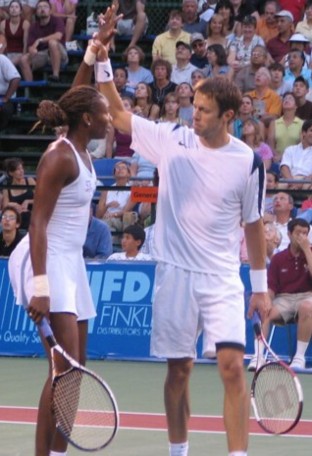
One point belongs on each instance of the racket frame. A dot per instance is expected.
(47, 332)
(277, 361)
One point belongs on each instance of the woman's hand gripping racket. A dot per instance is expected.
(83, 405)
(276, 393)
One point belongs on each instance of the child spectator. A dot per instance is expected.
(131, 242)
(170, 110)
(120, 80)
(185, 96)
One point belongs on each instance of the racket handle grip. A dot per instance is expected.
(256, 323)
(45, 328)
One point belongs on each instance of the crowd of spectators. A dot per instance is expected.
(265, 47)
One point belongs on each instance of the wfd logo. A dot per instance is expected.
(122, 294)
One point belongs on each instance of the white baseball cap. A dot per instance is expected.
(285, 13)
(299, 38)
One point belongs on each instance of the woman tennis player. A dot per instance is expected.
(47, 270)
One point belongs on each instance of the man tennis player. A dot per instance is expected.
(208, 183)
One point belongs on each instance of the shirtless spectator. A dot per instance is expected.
(278, 84)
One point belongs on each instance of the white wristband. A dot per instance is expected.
(103, 71)
(41, 286)
(258, 280)
(90, 57)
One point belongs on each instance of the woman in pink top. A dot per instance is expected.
(252, 136)
(67, 10)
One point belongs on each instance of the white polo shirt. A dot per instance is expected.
(298, 160)
(204, 194)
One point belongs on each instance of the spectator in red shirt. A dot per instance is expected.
(290, 288)
(46, 43)
(279, 46)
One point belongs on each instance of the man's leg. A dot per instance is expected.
(177, 400)
(236, 398)
(139, 28)
(25, 67)
(304, 333)
(55, 57)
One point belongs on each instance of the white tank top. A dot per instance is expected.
(67, 228)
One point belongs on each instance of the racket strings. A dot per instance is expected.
(84, 410)
(276, 398)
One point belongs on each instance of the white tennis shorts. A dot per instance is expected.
(187, 304)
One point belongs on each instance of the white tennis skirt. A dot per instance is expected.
(68, 282)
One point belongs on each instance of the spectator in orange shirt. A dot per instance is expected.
(267, 23)
(267, 103)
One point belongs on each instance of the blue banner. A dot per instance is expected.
(123, 296)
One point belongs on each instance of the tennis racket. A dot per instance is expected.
(276, 393)
(83, 405)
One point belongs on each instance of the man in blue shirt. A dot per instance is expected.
(99, 242)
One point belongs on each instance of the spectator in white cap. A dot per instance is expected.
(182, 71)
(191, 21)
(279, 46)
(300, 43)
(199, 48)
(305, 26)
(296, 7)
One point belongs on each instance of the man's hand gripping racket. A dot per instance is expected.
(276, 393)
(83, 405)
